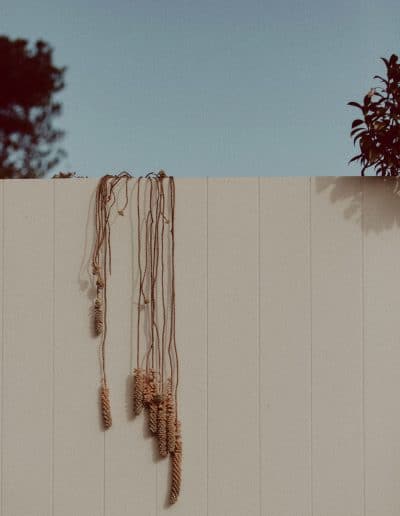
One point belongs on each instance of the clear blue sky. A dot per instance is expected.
(217, 88)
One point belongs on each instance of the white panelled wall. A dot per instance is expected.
(288, 333)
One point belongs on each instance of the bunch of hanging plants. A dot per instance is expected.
(377, 130)
(156, 373)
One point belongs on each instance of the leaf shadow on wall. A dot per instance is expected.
(377, 198)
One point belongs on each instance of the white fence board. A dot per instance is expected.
(382, 347)
(131, 474)
(78, 443)
(27, 417)
(233, 348)
(191, 335)
(2, 498)
(337, 351)
(285, 361)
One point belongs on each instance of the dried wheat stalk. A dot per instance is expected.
(105, 407)
(162, 429)
(176, 466)
(98, 319)
(156, 385)
(151, 400)
(138, 394)
(148, 390)
(171, 418)
(153, 417)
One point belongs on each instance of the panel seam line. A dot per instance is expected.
(311, 347)
(53, 351)
(3, 500)
(207, 355)
(363, 276)
(259, 347)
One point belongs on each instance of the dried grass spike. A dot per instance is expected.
(171, 419)
(138, 394)
(105, 407)
(98, 325)
(176, 467)
(149, 398)
(153, 417)
(147, 392)
(162, 429)
(148, 388)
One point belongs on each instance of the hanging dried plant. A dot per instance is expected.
(155, 340)
(153, 417)
(138, 394)
(101, 268)
(98, 320)
(150, 401)
(105, 407)
(162, 429)
(171, 419)
(176, 467)
(148, 389)
(156, 375)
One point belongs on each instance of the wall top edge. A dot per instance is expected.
(210, 178)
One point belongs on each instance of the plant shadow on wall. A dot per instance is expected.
(378, 198)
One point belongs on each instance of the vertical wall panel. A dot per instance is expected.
(2, 341)
(336, 258)
(382, 346)
(285, 349)
(131, 471)
(233, 347)
(191, 335)
(78, 437)
(28, 348)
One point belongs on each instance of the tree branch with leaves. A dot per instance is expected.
(377, 131)
(29, 81)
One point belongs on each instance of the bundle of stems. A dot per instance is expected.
(156, 376)
(106, 199)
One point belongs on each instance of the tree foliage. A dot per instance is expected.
(29, 81)
(377, 131)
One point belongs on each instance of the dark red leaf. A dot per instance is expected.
(354, 159)
(356, 104)
(357, 122)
